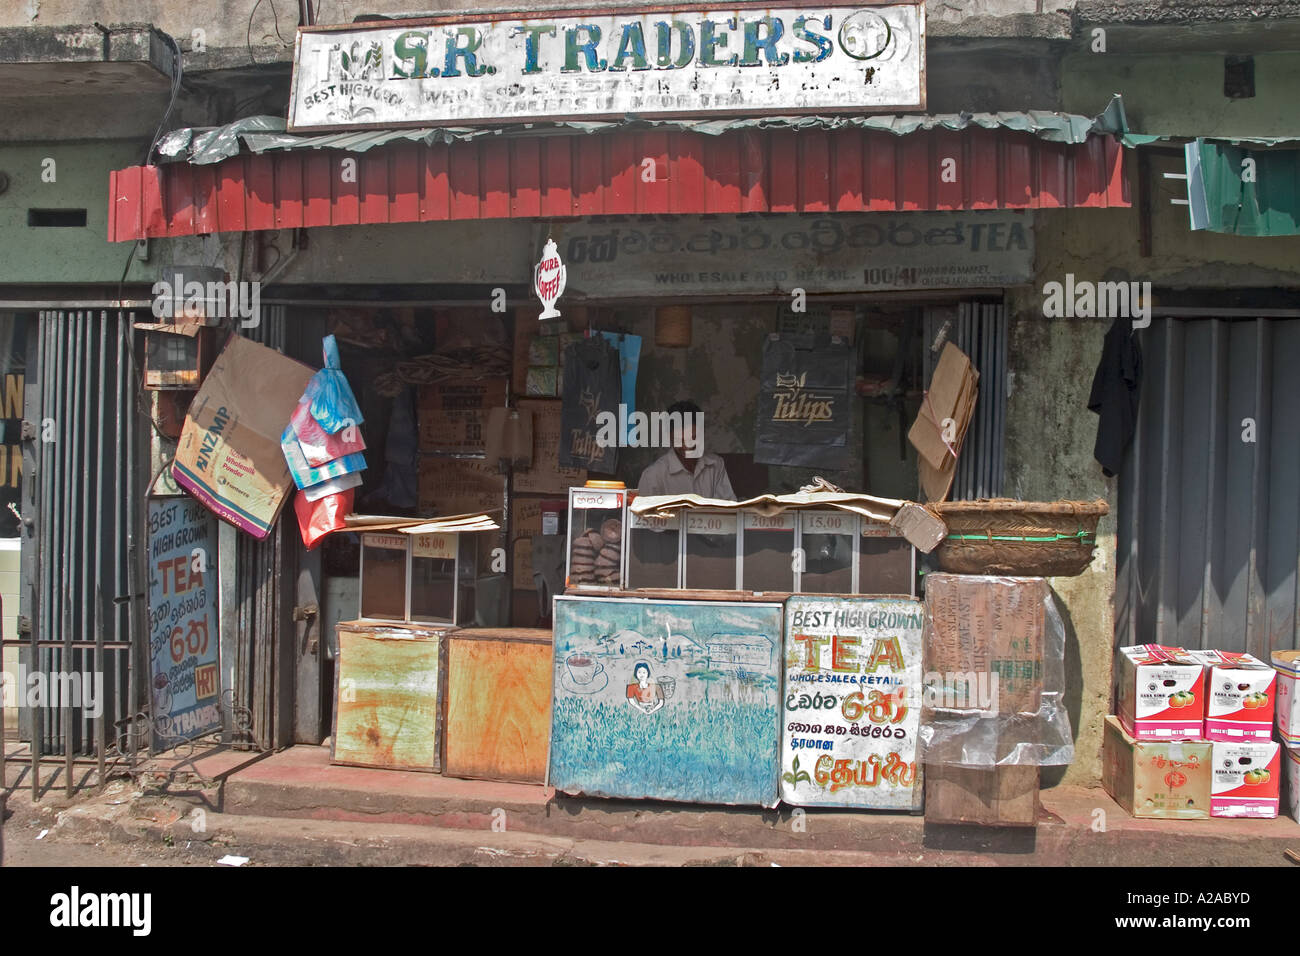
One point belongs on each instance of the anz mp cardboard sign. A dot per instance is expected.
(670, 61)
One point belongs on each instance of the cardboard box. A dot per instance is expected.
(1160, 692)
(546, 477)
(1239, 692)
(452, 486)
(1247, 779)
(452, 414)
(989, 626)
(997, 796)
(949, 400)
(1287, 665)
(1160, 779)
(1291, 781)
(530, 516)
(228, 455)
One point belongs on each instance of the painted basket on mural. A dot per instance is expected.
(1019, 538)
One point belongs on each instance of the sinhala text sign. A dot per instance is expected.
(182, 621)
(779, 252)
(852, 704)
(744, 59)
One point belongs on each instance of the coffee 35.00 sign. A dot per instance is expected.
(744, 59)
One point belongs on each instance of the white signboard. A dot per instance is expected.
(852, 702)
(755, 253)
(741, 60)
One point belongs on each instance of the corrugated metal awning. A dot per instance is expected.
(260, 134)
(857, 164)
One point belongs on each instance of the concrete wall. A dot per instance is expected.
(228, 24)
(1182, 93)
(46, 254)
(1050, 432)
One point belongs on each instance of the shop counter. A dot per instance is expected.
(498, 703)
(667, 700)
(387, 699)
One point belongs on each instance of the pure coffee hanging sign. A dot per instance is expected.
(741, 60)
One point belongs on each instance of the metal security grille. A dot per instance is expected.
(1209, 502)
(979, 330)
(263, 675)
(80, 609)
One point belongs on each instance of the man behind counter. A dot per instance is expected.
(688, 468)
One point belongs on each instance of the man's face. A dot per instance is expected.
(690, 437)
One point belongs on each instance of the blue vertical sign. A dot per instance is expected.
(185, 685)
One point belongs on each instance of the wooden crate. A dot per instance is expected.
(498, 704)
(387, 693)
(998, 796)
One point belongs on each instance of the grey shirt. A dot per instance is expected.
(668, 476)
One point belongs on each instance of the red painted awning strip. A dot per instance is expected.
(774, 170)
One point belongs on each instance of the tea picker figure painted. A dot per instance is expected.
(643, 693)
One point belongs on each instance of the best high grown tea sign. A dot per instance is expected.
(852, 694)
(743, 60)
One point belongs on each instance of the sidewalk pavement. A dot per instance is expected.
(293, 807)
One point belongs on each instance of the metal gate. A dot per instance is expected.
(1209, 496)
(80, 613)
(265, 572)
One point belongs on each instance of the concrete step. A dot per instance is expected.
(1077, 825)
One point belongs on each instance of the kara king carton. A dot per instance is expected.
(1246, 779)
(1164, 779)
(1287, 665)
(1161, 692)
(1238, 696)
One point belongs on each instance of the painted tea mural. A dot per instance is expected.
(669, 700)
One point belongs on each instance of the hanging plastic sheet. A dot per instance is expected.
(994, 673)
(322, 517)
(629, 357)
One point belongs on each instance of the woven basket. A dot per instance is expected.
(1022, 538)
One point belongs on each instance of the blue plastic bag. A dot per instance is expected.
(332, 401)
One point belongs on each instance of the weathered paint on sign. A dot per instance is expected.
(779, 252)
(669, 700)
(744, 59)
(186, 684)
(852, 702)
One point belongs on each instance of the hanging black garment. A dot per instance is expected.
(1115, 391)
(593, 384)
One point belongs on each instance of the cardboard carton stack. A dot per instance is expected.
(1287, 707)
(989, 626)
(1193, 737)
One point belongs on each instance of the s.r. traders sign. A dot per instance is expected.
(747, 59)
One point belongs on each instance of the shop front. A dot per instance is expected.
(826, 290)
